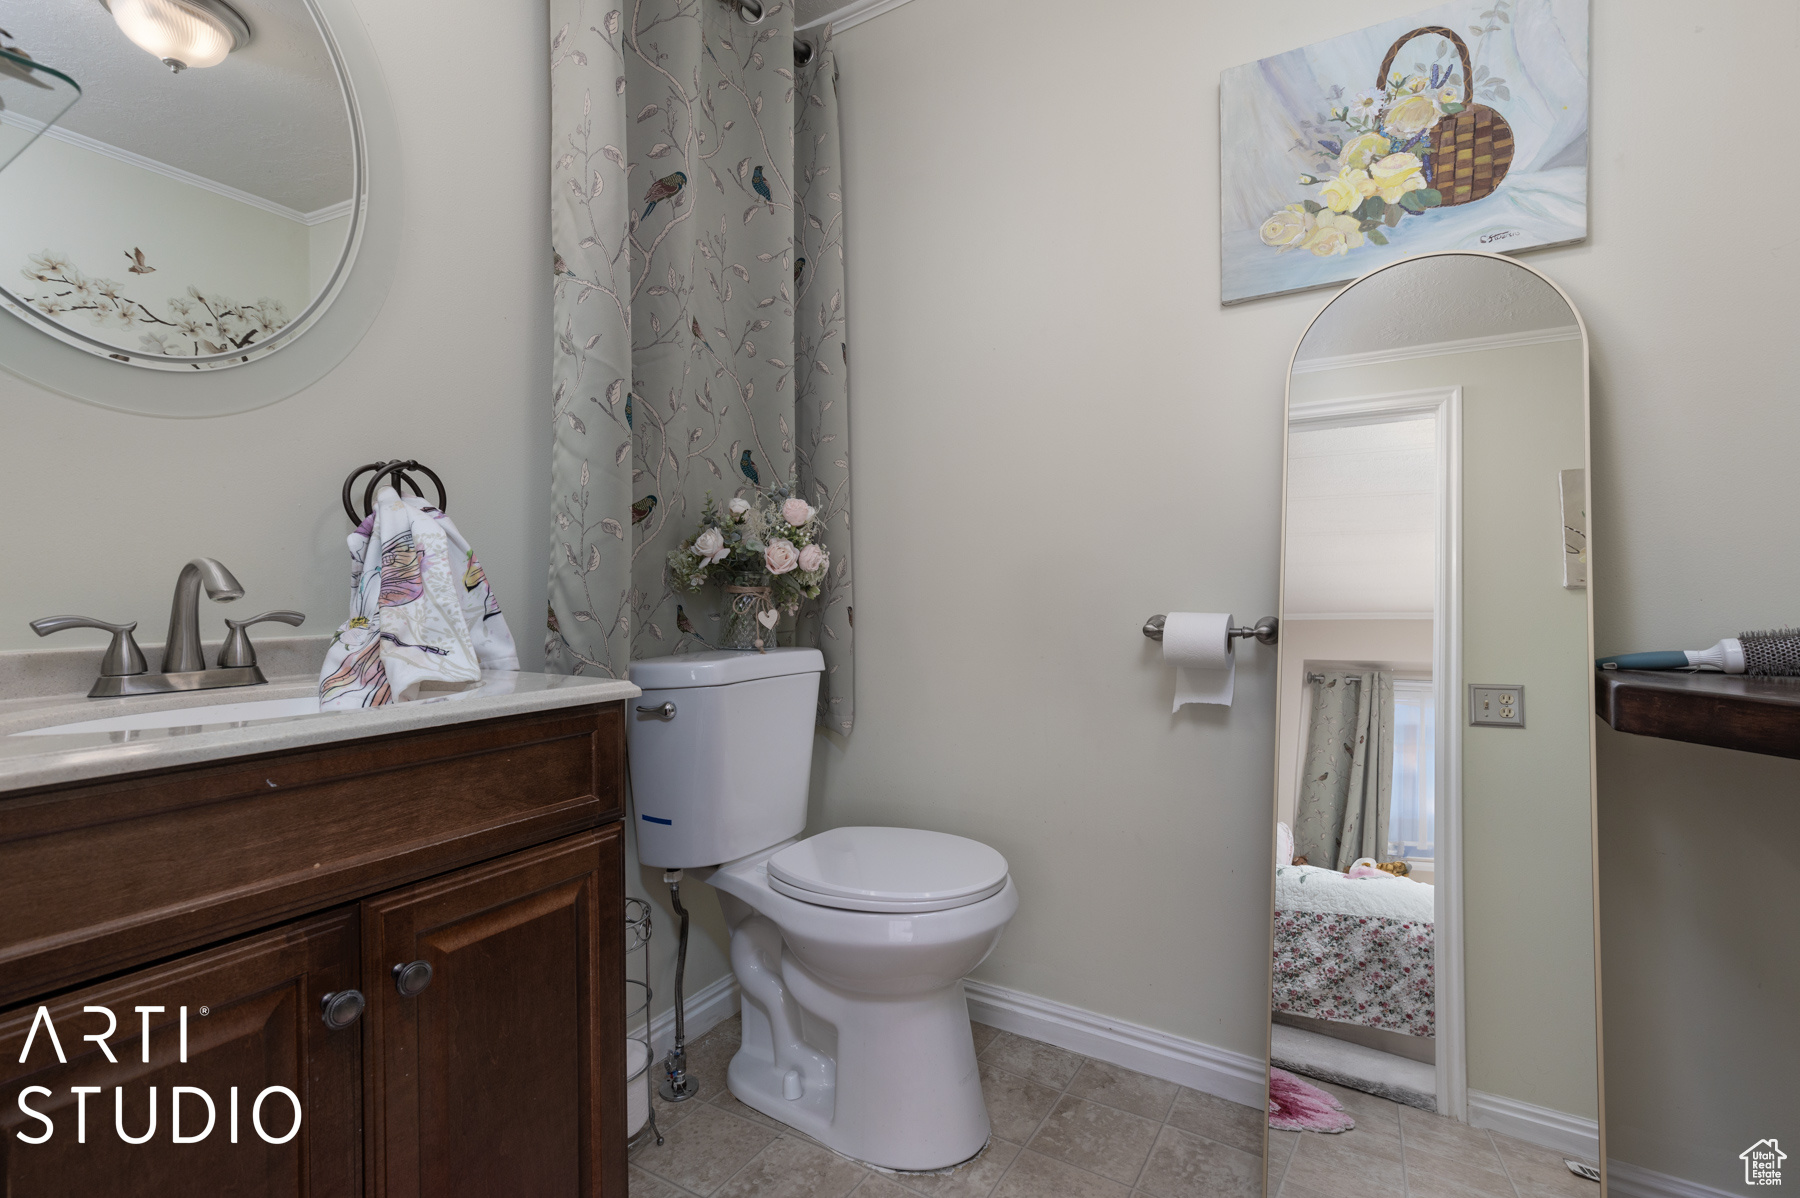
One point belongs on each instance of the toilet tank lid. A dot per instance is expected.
(890, 864)
(721, 667)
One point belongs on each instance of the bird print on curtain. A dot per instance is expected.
(698, 274)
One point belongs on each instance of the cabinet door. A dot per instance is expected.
(504, 1075)
(254, 1021)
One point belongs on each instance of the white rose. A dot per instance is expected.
(781, 556)
(797, 512)
(709, 546)
(812, 558)
(739, 506)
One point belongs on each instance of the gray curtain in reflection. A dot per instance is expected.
(1348, 773)
(697, 225)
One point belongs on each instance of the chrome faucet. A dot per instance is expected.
(181, 652)
(123, 670)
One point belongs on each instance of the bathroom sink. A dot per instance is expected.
(216, 715)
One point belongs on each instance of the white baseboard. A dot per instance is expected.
(1232, 1075)
(1539, 1125)
(706, 1009)
(1633, 1181)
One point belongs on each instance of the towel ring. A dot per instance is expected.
(396, 472)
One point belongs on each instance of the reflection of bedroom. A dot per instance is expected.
(1354, 999)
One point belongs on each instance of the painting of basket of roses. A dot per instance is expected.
(1462, 127)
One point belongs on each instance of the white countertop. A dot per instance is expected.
(32, 761)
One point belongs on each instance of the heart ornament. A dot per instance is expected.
(767, 617)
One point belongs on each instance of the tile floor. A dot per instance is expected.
(1400, 1151)
(1065, 1126)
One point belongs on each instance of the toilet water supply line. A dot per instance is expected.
(677, 1085)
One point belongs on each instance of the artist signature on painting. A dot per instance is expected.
(1490, 238)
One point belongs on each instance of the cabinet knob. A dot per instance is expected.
(341, 1008)
(411, 978)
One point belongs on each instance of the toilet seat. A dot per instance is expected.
(893, 870)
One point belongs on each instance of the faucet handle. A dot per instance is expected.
(237, 650)
(123, 657)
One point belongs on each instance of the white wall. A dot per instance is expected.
(103, 508)
(1033, 221)
(1389, 642)
(96, 210)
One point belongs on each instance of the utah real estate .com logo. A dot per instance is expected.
(1762, 1163)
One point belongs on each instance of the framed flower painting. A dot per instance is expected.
(1461, 127)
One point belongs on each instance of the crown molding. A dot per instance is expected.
(1435, 349)
(851, 14)
(118, 154)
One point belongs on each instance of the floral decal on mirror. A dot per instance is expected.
(192, 325)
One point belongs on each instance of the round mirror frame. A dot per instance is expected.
(69, 363)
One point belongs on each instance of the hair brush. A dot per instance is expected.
(1760, 654)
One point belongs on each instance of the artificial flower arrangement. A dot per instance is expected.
(1380, 163)
(767, 554)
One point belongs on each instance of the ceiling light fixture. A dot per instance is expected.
(182, 33)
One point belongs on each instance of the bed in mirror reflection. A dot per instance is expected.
(1434, 972)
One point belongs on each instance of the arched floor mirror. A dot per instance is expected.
(1434, 963)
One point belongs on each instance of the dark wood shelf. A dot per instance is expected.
(1755, 715)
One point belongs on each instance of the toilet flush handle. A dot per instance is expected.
(665, 710)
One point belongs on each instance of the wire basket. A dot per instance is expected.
(640, 1119)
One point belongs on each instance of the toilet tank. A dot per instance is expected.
(727, 773)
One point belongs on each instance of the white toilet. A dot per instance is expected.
(850, 946)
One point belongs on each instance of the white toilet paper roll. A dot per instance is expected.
(1196, 644)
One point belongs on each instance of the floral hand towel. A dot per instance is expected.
(421, 612)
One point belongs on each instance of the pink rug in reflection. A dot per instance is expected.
(1297, 1105)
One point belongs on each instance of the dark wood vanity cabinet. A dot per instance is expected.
(474, 904)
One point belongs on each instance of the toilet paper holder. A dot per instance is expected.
(1266, 630)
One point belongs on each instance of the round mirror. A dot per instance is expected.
(197, 208)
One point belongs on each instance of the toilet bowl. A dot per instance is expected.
(849, 947)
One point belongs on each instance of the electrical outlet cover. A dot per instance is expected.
(1496, 705)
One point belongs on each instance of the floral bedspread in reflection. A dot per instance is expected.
(1355, 969)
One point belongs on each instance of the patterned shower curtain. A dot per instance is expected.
(697, 228)
(1348, 776)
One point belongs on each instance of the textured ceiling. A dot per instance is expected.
(1435, 299)
(269, 120)
(1362, 520)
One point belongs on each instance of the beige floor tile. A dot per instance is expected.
(1539, 1172)
(879, 1185)
(1034, 1176)
(1293, 1189)
(1379, 1116)
(1281, 1147)
(1220, 1119)
(1445, 1137)
(704, 1150)
(1113, 1085)
(1015, 1106)
(789, 1168)
(1338, 1166)
(648, 1185)
(1113, 1143)
(984, 1035)
(669, 1114)
(726, 1101)
(1437, 1187)
(973, 1179)
(1184, 1165)
(1044, 1064)
(1454, 1174)
(709, 1058)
